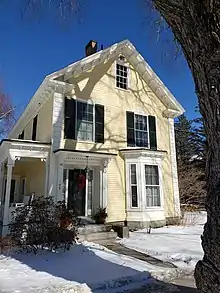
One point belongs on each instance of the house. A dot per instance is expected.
(97, 133)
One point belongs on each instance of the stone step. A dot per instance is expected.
(96, 236)
(93, 228)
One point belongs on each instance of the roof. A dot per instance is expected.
(52, 81)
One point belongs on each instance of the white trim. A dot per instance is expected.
(176, 196)
(136, 152)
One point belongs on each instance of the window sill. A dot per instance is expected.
(84, 141)
(124, 90)
(152, 209)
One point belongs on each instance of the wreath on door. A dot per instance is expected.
(81, 181)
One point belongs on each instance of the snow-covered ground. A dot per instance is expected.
(89, 267)
(180, 245)
(85, 268)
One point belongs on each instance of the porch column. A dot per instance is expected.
(46, 177)
(104, 183)
(10, 165)
(60, 182)
(101, 187)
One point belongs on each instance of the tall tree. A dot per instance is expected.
(196, 26)
(184, 140)
(190, 160)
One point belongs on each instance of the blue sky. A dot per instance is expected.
(33, 47)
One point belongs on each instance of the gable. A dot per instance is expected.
(127, 49)
(60, 81)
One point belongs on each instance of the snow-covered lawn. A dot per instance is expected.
(180, 245)
(85, 268)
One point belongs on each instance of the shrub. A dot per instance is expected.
(44, 224)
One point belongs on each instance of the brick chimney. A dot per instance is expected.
(91, 48)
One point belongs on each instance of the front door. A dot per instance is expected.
(77, 191)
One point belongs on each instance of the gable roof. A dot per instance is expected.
(60, 79)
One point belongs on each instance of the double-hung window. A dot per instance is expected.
(85, 121)
(121, 74)
(141, 130)
(152, 186)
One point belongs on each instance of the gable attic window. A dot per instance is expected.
(121, 73)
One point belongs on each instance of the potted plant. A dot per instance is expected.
(100, 216)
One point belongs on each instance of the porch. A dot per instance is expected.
(24, 172)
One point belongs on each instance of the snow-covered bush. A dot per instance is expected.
(44, 224)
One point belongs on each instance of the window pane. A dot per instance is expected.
(133, 174)
(134, 201)
(151, 175)
(156, 192)
(149, 197)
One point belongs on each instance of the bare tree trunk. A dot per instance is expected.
(196, 25)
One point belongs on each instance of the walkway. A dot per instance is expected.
(118, 248)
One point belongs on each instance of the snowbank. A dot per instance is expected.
(180, 245)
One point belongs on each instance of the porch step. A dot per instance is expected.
(94, 228)
(96, 236)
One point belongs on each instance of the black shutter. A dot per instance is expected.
(99, 123)
(152, 132)
(34, 129)
(130, 129)
(69, 118)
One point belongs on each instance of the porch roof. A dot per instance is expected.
(86, 153)
(83, 157)
(13, 149)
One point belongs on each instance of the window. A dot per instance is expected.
(34, 129)
(133, 178)
(152, 186)
(83, 121)
(121, 76)
(141, 130)
(84, 114)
